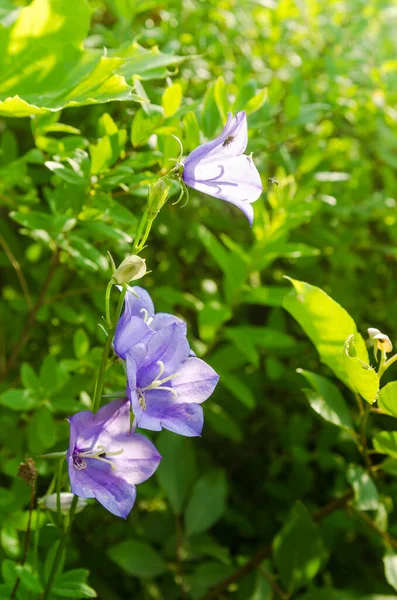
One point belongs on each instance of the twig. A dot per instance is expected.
(266, 551)
(386, 536)
(18, 271)
(27, 471)
(32, 316)
(273, 583)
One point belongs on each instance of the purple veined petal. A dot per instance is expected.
(98, 481)
(235, 179)
(161, 320)
(137, 305)
(83, 421)
(231, 142)
(196, 381)
(114, 418)
(168, 345)
(131, 371)
(129, 332)
(162, 411)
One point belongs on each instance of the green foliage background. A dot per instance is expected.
(83, 134)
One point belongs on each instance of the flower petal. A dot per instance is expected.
(168, 345)
(98, 481)
(161, 320)
(137, 305)
(196, 381)
(231, 142)
(162, 411)
(130, 331)
(234, 179)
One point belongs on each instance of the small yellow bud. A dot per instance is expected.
(132, 268)
(158, 195)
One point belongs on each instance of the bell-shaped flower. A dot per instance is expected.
(139, 321)
(220, 168)
(166, 385)
(106, 460)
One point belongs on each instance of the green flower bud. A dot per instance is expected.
(66, 499)
(132, 268)
(158, 195)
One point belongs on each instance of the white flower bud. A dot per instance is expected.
(379, 340)
(132, 268)
(66, 498)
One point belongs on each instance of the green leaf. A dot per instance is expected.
(238, 388)
(29, 580)
(207, 575)
(72, 584)
(49, 374)
(171, 99)
(67, 173)
(10, 541)
(326, 323)
(18, 400)
(137, 558)
(387, 400)
(385, 442)
(29, 377)
(366, 495)
(298, 549)
(176, 476)
(207, 503)
(81, 343)
(49, 561)
(362, 376)
(390, 564)
(326, 400)
(221, 99)
(144, 125)
(192, 131)
(54, 71)
(210, 117)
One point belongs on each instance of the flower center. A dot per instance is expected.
(146, 318)
(99, 453)
(157, 384)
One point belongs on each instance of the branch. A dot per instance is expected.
(32, 316)
(266, 551)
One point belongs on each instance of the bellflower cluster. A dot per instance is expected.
(166, 385)
(220, 168)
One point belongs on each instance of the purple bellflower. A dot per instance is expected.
(166, 385)
(139, 321)
(220, 169)
(105, 460)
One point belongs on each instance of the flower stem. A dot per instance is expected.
(107, 303)
(60, 549)
(139, 242)
(102, 369)
(386, 365)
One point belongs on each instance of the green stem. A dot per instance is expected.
(139, 231)
(386, 365)
(58, 490)
(101, 375)
(107, 303)
(146, 234)
(60, 550)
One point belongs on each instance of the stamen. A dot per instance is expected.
(157, 384)
(79, 463)
(146, 318)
